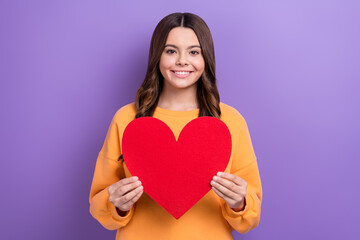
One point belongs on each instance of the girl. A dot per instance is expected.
(179, 86)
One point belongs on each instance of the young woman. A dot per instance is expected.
(179, 86)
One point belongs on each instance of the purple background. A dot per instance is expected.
(291, 68)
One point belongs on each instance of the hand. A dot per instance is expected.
(231, 188)
(124, 193)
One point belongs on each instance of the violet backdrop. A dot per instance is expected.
(291, 68)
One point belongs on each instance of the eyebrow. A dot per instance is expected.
(174, 46)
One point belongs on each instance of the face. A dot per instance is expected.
(181, 62)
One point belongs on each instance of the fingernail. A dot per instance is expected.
(219, 173)
(135, 178)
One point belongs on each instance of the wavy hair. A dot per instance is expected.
(147, 96)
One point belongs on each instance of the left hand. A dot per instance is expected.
(231, 188)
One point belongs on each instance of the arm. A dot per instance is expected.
(108, 170)
(245, 166)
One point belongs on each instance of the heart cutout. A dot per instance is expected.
(176, 173)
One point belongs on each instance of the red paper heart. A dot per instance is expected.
(176, 174)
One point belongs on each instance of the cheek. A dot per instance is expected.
(199, 65)
(165, 62)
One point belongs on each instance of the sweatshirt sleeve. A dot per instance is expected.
(245, 166)
(108, 170)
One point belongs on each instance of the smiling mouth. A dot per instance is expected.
(181, 74)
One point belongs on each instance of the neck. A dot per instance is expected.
(178, 100)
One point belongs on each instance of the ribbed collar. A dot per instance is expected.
(174, 113)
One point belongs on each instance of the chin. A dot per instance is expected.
(176, 84)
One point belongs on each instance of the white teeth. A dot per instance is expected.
(182, 73)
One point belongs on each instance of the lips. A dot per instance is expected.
(181, 74)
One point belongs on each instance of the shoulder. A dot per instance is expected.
(125, 113)
(231, 116)
(126, 109)
(228, 111)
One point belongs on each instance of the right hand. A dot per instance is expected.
(124, 193)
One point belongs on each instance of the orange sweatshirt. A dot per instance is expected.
(210, 218)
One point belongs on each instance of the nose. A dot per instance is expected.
(182, 60)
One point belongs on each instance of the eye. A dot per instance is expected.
(170, 51)
(194, 52)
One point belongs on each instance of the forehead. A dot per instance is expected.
(182, 36)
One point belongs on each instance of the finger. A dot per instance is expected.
(224, 191)
(128, 204)
(236, 179)
(112, 188)
(220, 194)
(125, 181)
(136, 197)
(228, 184)
(121, 191)
(130, 195)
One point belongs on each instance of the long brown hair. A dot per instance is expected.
(207, 94)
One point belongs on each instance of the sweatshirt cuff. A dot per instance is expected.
(124, 219)
(227, 211)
